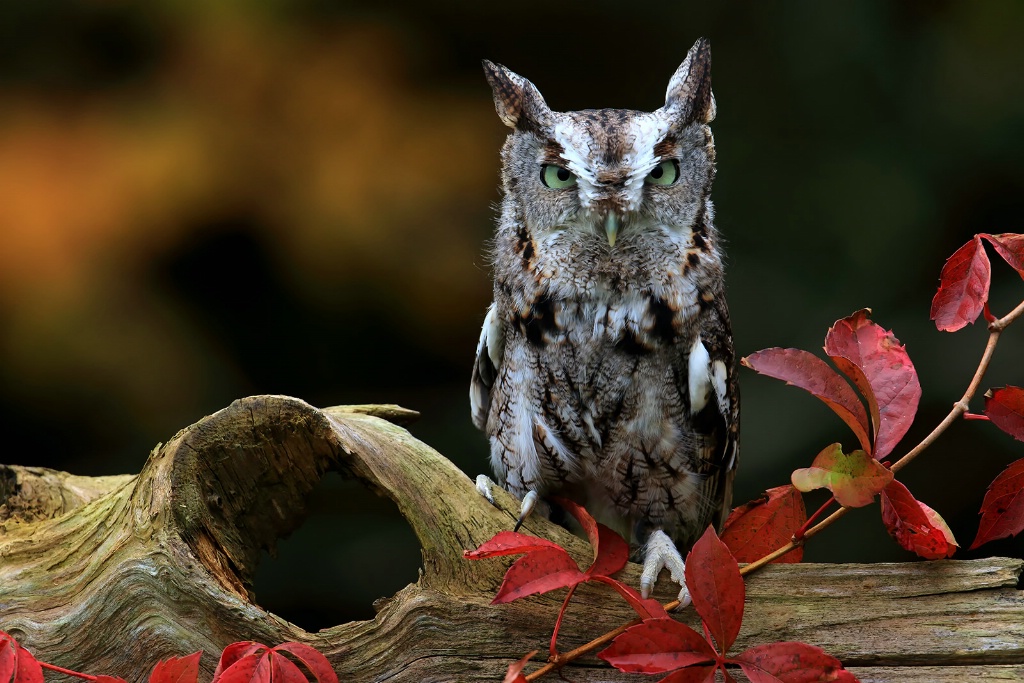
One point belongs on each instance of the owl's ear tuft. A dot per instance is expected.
(518, 102)
(689, 95)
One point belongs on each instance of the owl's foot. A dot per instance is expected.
(485, 487)
(529, 503)
(661, 553)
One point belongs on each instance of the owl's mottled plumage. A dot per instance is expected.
(605, 370)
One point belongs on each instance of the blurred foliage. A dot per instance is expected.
(204, 200)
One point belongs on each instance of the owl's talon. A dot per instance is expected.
(484, 486)
(529, 503)
(661, 553)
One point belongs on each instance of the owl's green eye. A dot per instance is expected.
(665, 173)
(556, 177)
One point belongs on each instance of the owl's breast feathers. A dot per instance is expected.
(613, 384)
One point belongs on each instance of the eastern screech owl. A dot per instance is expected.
(605, 369)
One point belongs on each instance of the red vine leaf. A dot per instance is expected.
(312, 659)
(177, 669)
(648, 608)
(854, 479)
(716, 587)
(546, 566)
(1002, 511)
(914, 525)
(611, 552)
(805, 370)
(880, 367)
(694, 674)
(790, 662)
(252, 668)
(283, 670)
(1011, 248)
(508, 543)
(17, 664)
(662, 645)
(233, 653)
(657, 646)
(539, 571)
(515, 670)
(1005, 408)
(963, 287)
(249, 662)
(766, 524)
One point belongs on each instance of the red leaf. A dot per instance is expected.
(963, 287)
(252, 668)
(312, 659)
(914, 525)
(1002, 511)
(234, 652)
(613, 555)
(177, 669)
(283, 670)
(656, 646)
(538, 572)
(509, 543)
(880, 367)
(1005, 407)
(26, 668)
(716, 587)
(854, 479)
(693, 674)
(810, 373)
(8, 654)
(611, 552)
(791, 662)
(647, 609)
(1011, 248)
(16, 663)
(766, 524)
(515, 670)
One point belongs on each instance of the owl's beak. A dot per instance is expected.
(611, 227)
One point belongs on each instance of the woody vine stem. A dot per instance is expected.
(960, 408)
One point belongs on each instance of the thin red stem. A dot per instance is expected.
(810, 520)
(976, 416)
(553, 650)
(69, 672)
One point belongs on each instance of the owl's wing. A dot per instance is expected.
(713, 391)
(489, 351)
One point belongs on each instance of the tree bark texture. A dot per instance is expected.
(110, 574)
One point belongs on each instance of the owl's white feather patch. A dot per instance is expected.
(699, 376)
(492, 336)
(718, 379)
(646, 131)
(492, 340)
(576, 152)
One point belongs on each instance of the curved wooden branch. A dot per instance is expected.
(109, 574)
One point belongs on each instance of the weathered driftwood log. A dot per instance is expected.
(109, 574)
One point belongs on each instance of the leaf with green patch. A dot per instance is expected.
(854, 478)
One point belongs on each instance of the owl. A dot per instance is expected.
(605, 369)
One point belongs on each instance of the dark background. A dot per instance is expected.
(201, 201)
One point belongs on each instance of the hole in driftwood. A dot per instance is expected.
(353, 548)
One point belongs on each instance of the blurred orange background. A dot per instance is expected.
(205, 200)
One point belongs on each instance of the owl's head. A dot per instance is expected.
(610, 172)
